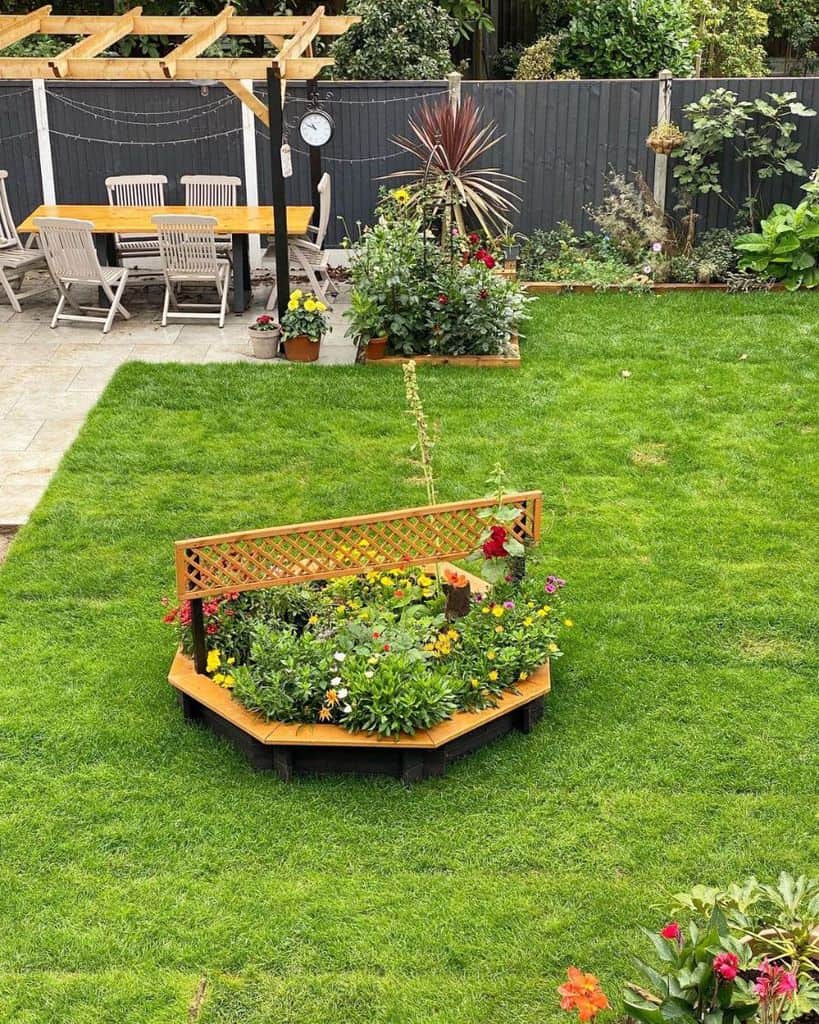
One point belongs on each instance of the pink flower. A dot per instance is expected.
(671, 931)
(774, 981)
(443, 299)
(726, 966)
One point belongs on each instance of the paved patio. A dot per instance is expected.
(50, 379)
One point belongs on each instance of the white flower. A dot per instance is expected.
(647, 269)
(346, 709)
(342, 693)
(335, 680)
(339, 656)
(369, 673)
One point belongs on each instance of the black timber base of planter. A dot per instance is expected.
(409, 765)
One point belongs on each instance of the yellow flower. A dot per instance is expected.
(528, 621)
(552, 647)
(313, 620)
(293, 304)
(452, 634)
(341, 610)
(321, 307)
(490, 655)
(497, 610)
(425, 581)
(364, 543)
(214, 660)
(231, 661)
(523, 677)
(485, 610)
(493, 676)
(386, 581)
(427, 593)
(219, 678)
(568, 623)
(310, 305)
(546, 609)
(325, 714)
(400, 195)
(229, 682)
(474, 683)
(498, 629)
(296, 293)
(541, 613)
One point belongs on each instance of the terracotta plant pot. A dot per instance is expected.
(264, 344)
(376, 348)
(302, 349)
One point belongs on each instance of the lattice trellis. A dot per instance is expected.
(210, 566)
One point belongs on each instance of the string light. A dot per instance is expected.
(18, 92)
(10, 138)
(135, 142)
(328, 97)
(102, 113)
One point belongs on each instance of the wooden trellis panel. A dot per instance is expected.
(210, 566)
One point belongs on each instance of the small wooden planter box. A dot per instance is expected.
(432, 534)
(510, 361)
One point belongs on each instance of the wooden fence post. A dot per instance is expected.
(661, 159)
(454, 78)
(44, 141)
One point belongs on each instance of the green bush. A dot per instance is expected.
(730, 34)
(786, 248)
(395, 39)
(629, 39)
(401, 697)
(538, 61)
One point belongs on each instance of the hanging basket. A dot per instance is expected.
(665, 138)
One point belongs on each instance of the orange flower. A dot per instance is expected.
(582, 992)
(325, 714)
(455, 579)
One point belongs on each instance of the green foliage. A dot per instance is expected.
(629, 39)
(504, 63)
(787, 246)
(470, 16)
(560, 255)
(538, 61)
(797, 23)
(401, 697)
(730, 34)
(629, 216)
(395, 39)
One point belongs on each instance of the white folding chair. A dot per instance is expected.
(68, 246)
(187, 247)
(213, 190)
(15, 259)
(136, 190)
(309, 256)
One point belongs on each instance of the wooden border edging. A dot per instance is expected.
(509, 362)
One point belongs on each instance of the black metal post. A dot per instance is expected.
(200, 652)
(315, 158)
(274, 107)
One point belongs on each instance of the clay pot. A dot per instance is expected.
(264, 344)
(376, 348)
(302, 349)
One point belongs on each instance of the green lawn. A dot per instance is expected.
(138, 854)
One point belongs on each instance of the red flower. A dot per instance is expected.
(171, 616)
(671, 931)
(386, 647)
(582, 992)
(473, 238)
(212, 628)
(376, 636)
(483, 294)
(489, 261)
(494, 546)
(263, 319)
(399, 593)
(443, 299)
(726, 966)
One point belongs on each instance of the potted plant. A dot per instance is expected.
(303, 324)
(367, 323)
(665, 137)
(265, 335)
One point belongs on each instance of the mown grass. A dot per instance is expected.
(679, 745)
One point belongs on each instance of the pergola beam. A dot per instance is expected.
(195, 69)
(186, 25)
(96, 43)
(15, 27)
(197, 42)
(241, 91)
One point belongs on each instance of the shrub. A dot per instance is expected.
(395, 39)
(629, 216)
(560, 255)
(797, 23)
(538, 61)
(473, 311)
(786, 247)
(504, 63)
(400, 697)
(629, 39)
(730, 34)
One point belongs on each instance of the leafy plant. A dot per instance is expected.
(504, 63)
(786, 247)
(470, 16)
(560, 255)
(304, 315)
(629, 39)
(629, 216)
(730, 34)
(449, 142)
(538, 61)
(797, 23)
(395, 39)
(400, 697)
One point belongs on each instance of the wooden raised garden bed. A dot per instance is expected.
(434, 534)
(511, 360)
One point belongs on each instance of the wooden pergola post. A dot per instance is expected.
(276, 115)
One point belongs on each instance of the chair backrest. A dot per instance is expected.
(8, 232)
(136, 190)
(68, 246)
(187, 243)
(210, 189)
(325, 201)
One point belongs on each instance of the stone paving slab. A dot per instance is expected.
(51, 379)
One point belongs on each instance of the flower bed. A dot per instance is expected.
(367, 640)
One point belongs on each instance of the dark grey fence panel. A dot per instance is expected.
(715, 211)
(100, 129)
(18, 148)
(560, 138)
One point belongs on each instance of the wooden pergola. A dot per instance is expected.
(86, 60)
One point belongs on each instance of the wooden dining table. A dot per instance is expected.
(240, 222)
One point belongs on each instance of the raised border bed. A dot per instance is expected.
(431, 534)
(511, 361)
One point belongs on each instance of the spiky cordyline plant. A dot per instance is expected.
(448, 141)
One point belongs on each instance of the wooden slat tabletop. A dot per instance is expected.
(231, 220)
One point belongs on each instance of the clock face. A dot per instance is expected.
(316, 128)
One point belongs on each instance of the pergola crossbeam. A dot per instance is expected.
(198, 42)
(96, 43)
(15, 27)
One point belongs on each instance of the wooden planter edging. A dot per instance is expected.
(324, 749)
(561, 287)
(510, 361)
